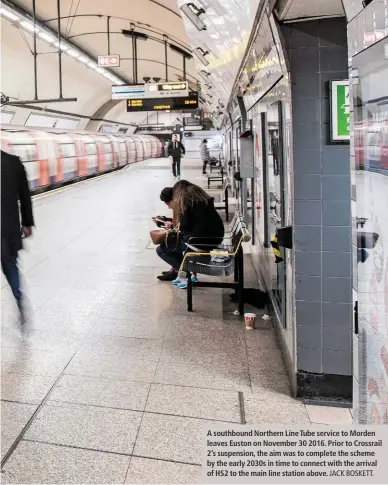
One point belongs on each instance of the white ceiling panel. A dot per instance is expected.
(228, 27)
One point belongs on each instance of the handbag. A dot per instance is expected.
(158, 236)
(172, 237)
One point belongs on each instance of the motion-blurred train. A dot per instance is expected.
(53, 157)
(371, 146)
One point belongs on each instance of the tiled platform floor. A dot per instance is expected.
(111, 380)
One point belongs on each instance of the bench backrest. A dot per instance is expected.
(239, 231)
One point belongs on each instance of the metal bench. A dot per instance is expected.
(215, 177)
(199, 261)
(222, 190)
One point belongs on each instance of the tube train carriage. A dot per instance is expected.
(54, 157)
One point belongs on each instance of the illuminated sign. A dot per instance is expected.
(172, 86)
(340, 110)
(109, 61)
(165, 104)
(151, 90)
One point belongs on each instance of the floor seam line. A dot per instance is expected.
(32, 418)
(131, 455)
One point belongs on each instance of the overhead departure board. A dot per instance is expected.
(165, 104)
(151, 90)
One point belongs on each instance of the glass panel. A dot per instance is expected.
(370, 101)
(264, 64)
(276, 176)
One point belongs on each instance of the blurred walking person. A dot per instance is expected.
(14, 188)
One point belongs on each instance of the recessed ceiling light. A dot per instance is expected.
(83, 59)
(92, 65)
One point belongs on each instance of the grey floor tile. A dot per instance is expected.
(329, 415)
(285, 411)
(145, 293)
(210, 377)
(47, 464)
(14, 417)
(270, 385)
(142, 310)
(132, 327)
(66, 322)
(261, 340)
(107, 364)
(25, 388)
(207, 329)
(33, 361)
(73, 301)
(136, 348)
(266, 361)
(102, 429)
(101, 392)
(194, 402)
(171, 438)
(145, 470)
(41, 338)
(213, 353)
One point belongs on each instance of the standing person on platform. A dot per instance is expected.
(14, 187)
(176, 150)
(205, 155)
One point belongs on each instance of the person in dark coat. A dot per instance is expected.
(14, 188)
(198, 218)
(176, 150)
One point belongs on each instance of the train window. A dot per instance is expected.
(91, 148)
(27, 152)
(107, 147)
(67, 150)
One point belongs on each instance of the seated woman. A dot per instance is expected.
(198, 218)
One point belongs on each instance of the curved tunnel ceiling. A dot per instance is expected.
(228, 28)
(84, 23)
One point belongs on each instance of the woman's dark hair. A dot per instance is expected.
(186, 195)
(166, 195)
(204, 141)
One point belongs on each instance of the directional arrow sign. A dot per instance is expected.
(109, 61)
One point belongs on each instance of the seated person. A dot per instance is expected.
(198, 218)
(166, 197)
(165, 223)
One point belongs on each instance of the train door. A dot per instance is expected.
(131, 149)
(122, 152)
(139, 149)
(94, 153)
(69, 162)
